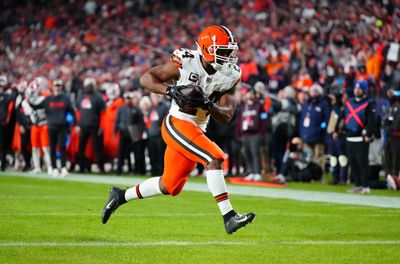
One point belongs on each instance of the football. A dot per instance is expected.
(190, 90)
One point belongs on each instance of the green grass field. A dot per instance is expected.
(55, 221)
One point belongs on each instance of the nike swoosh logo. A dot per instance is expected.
(108, 205)
(243, 219)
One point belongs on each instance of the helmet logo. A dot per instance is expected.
(217, 45)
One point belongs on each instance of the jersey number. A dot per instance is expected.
(187, 55)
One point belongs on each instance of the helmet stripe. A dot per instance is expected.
(230, 35)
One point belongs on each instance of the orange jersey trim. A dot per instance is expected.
(176, 61)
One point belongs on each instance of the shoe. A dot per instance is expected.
(64, 172)
(36, 170)
(393, 182)
(54, 173)
(356, 190)
(279, 178)
(238, 221)
(113, 202)
(390, 183)
(257, 177)
(249, 177)
(365, 190)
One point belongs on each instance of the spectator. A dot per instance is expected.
(128, 125)
(6, 105)
(338, 160)
(375, 159)
(265, 99)
(156, 145)
(110, 139)
(35, 94)
(251, 126)
(283, 123)
(297, 164)
(56, 107)
(359, 122)
(140, 146)
(23, 128)
(90, 7)
(90, 106)
(392, 146)
(314, 119)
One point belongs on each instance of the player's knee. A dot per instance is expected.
(163, 188)
(333, 161)
(176, 191)
(215, 164)
(171, 189)
(343, 161)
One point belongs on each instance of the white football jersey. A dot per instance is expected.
(214, 85)
(37, 116)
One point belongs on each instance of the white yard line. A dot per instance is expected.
(278, 214)
(312, 196)
(191, 243)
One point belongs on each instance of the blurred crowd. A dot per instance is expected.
(301, 61)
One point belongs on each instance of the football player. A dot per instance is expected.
(35, 94)
(212, 70)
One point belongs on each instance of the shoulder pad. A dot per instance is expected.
(181, 54)
(235, 71)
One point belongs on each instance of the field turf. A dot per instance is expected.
(55, 221)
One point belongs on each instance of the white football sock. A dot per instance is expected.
(148, 188)
(47, 159)
(36, 158)
(216, 185)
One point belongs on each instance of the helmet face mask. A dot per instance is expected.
(217, 46)
(225, 54)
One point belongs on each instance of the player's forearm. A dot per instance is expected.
(151, 83)
(222, 114)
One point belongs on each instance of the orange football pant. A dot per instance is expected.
(186, 145)
(39, 136)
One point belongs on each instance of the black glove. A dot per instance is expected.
(197, 99)
(175, 93)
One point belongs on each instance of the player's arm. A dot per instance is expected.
(224, 110)
(156, 78)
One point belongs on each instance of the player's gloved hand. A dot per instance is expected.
(198, 99)
(175, 93)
